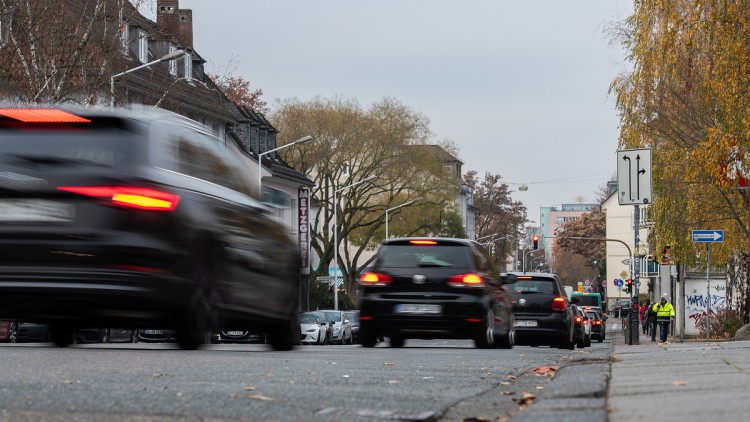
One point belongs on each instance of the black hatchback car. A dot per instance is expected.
(428, 288)
(543, 314)
(117, 218)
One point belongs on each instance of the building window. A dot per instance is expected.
(124, 36)
(172, 63)
(142, 46)
(188, 58)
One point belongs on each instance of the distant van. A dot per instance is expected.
(586, 299)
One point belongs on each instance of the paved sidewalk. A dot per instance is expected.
(690, 381)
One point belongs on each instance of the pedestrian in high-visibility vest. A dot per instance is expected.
(664, 315)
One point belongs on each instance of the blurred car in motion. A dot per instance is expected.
(314, 331)
(341, 328)
(118, 218)
(429, 288)
(238, 336)
(543, 314)
(353, 317)
(8, 331)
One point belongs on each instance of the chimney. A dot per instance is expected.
(185, 36)
(167, 18)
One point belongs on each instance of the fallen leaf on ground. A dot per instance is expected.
(68, 382)
(504, 383)
(543, 371)
(526, 399)
(253, 397)
(507, 393)
(393, 382)
(388, 363)
(512, 377)
(157, 375)
(248, 388)
(540, 387)
(679, 383)
(489, 373)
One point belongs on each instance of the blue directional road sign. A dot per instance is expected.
(708, 236)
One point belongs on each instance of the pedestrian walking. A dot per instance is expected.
(652, 320)
(643, 312)
(664, 315)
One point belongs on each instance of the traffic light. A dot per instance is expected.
(535, 238)
(595, 262)
(628, 286)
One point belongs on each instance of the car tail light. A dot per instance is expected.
(578, 320)
(42, 115)
(132, 197)
(558, 304)
(466, 280)
(473, 320)
(585, 322)
(375, 279)
(423, 242)
(598, 322)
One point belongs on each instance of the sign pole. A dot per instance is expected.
(708, 291)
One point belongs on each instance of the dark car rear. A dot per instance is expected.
(431, 288)
(136, 220)
(543, 315)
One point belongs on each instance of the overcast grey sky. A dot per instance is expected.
(520, 86)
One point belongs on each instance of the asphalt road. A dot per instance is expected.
(424, 381)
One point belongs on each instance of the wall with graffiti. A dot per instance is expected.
(696, 300)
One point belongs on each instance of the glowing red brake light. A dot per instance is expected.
(141, 198)
(42, 115)
(578, 319)
(375, 279)
(559, 304)
(423, 242)
(466, 280)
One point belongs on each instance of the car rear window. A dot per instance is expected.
(587, 300)
(419, 256)
(105, 142)
(543, 286)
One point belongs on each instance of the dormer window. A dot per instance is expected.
(172, 63)
(124, 36)
(188, 67)
(166, 9)
(142, 46)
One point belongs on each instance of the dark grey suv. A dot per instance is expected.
(136, 220)
(428, 288)
(543, 314)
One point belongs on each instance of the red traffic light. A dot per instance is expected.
(535, 238)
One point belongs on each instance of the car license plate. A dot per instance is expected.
(153, 332)
(418, 308)
(235, 333)
(35, 211)
(525, 323)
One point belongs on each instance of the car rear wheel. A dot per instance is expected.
(485, 338)
(12, 333)
(587, 343)
(62, 336)
(509, 340)
(397, 342)
(366, 338)
(282, 337)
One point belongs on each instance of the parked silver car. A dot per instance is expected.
(342, 327)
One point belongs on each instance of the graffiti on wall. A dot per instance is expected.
(696, 301)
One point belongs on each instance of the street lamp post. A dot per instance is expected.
(336, 238)
(171, 56)
(398, 206)
(302, 140)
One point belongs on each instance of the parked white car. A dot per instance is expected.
(342, 327)
(314, 331)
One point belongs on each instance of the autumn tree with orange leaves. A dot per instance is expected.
(687, 97)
